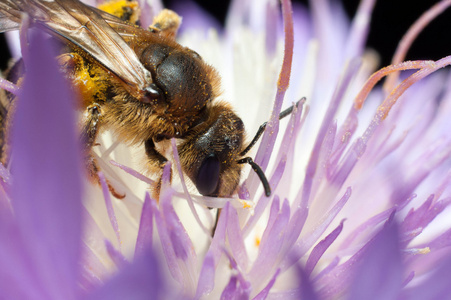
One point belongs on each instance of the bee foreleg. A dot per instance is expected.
(166, 23)
(88, 136)
(90, 126)
(155, 165)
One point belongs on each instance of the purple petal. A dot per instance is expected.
(234, 290)
(338, 279)
(181, 243)
(147, 13)
(92, 270)
(220, 233)
(371, 224)
(263, 201)
(418, 219)
(272, 26)
(272, 128)
(18, 279)
(380, 274)
(324, 157)
(133, 172)
(238, 287)
(271, 245)
(320, 248)
(327, 269)
(136, 281)
(206, 280)
(307, 290)
(442, 241)
(168, 250)
(294, 229)
(360, 27)
(304, 198)
(236, 240)
(309, 240)
(47, 168)
(177, 245)
(343, 138)
(436, 286)
(145, 231)
(109, 207)
(115, 255)
(265, 292)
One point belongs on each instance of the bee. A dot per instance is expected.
(144, 87)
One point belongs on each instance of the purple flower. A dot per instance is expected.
(359, 189)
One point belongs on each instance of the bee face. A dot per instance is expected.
(209, 156)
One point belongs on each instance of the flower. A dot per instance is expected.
(357, 187)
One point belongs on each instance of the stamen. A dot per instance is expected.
(388, 103)
(371, 82)
(410, 36)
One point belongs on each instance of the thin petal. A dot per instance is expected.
(109, 207)
(435, 287)
(236, 240)
(271, 245)
(206, 280)
(145, 231)
(264, 293)
(320, 248)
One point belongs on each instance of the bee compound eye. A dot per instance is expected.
(208, 176)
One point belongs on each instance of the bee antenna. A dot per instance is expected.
(259, 171)
(262, 127)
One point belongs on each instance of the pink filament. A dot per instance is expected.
(408, 39)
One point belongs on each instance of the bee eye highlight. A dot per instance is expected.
(208, 176)
(153, 92)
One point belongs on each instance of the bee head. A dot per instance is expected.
(209, 154)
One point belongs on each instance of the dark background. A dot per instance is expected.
(391, 19)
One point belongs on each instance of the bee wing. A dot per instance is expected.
(9, 16)
(84, 27)
(133, 35)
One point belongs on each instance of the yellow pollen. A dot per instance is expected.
(424, 250)
(257, 241)
(246, 204)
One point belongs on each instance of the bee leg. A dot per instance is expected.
(166, 23)
(155, 164)
(88, 137)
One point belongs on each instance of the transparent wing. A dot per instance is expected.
(84, 27)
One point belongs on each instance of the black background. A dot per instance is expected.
(391, 19)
